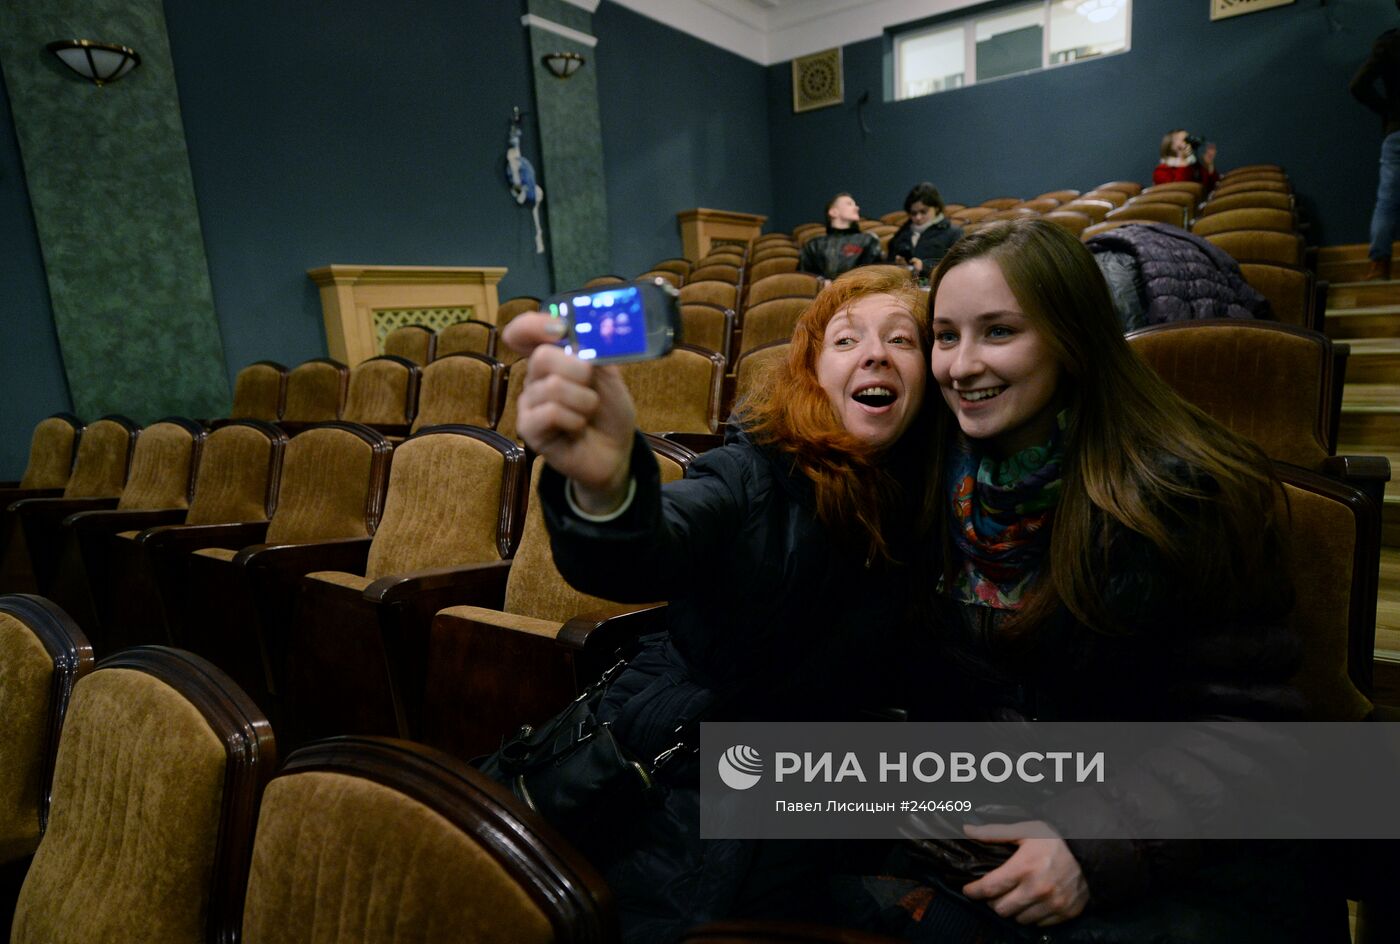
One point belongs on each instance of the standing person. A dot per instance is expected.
(781, 555)
(1180, 161)
(926, 235)
(1383, 65)
(1107, 552)
(844, 247)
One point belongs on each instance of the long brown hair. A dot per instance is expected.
(1134, 450)
(855, 491)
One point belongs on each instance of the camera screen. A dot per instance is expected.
(608, 323)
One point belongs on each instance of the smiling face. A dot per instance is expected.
(871, 367)
(997, 373)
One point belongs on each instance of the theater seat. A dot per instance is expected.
(708, 327)
(415, 343)
(52, 450)
(159, 770)
(718, 271)
(470, 336)
(357, 644)
(315, 393)
(786, 284)
(259, 392)
(677, 393)
(711, 292)
(461, 389)
(603, 281)
(1251, 245)
(521, 655)
(1246, 199)
(753, 367)
(774, 263)
(1295, 297)
(42, 654)
(1281, 221)
(771, 321)
(383, 394)
(374, 840)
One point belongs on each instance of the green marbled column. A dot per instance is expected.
(109, 180)
(576, 206)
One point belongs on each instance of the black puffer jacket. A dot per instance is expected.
(1159, 273)
(840, 250)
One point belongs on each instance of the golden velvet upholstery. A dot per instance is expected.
(1289, 291)
(161, 467)
(1063, 196)
(1001, 203)
(414, 343)
(235, 466)
(26, 681)
(258, 391)
(1115, 197)
(1181, 198)
(973, 214)
(1095, 210)
(1192, 187)
(129, 851)
(1248, 198)
(773, 265)
(796, 284)
(707, 326)
(1322, 545)
(1248, 218)
(371, 840)
(515, 384)
(315, 391)
(677, 393)
(535, 588)
(42, 653)
(1251, 245)
(1150, 213)
(51, 452)
(458, 388)
(1041, 204)
(720, 272)
(386, 868)
(1104, 227)
(1130, 187)
(511, 307)
(1265, 382)
(103, 453)
(1072, 220)
(443, 505)
(475, 337)
(681, 267)
(1252, 185)
(325, 490)
(383, 390)
(770, 321)
(754, 366)
(711, 292)
(603, 281)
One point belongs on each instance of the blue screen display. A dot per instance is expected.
(608, 323)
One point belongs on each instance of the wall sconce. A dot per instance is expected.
(561, 65)
(99, 63)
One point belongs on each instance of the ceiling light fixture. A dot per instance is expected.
(99, 63)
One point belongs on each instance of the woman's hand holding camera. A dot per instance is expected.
(580, 418)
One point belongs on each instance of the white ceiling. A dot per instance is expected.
(771, 31)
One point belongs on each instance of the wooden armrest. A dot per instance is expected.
(110, 521)
(344, 554)
(9, 495)
(696, 442)
(474, 585)
(1367, 473)
(188, 538)
(60, 508)
(607, 631)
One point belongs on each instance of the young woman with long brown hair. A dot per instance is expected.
(1104, 551)
(783, 555)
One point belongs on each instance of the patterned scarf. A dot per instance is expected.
(1001, 516)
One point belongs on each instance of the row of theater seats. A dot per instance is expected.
(143, 803)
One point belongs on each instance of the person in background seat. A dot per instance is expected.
(1185, 158)
(926, 235)
(844, 247)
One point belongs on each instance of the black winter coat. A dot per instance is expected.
(840, 250)
(933, 243)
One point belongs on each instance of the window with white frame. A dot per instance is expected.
(1009, 40)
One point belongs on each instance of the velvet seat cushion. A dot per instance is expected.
(412, 342)
(1322, 542)
(674, 393)
(128, 856)
(50, 454)
(232, 481)
(314, 393)
(100, 470)
(343, 860)
(705, 326)
(1222, 368)
(324, 488)
(711, 292)
(772, 320)
(26, 677)
(160, 468)
(465, 336)
(455, 390)
(784, 284)
(442, 508)
(257, 392)
(378, 392)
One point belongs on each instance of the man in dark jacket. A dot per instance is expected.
(844, 246)
(1383, 64)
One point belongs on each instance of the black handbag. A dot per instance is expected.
(572, 770)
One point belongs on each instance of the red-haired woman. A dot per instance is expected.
(779, 553)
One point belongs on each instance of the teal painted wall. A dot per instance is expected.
(109, 182)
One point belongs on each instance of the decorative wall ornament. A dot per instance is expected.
(1223, 9)
(520, 175)
(816, 80)
(562, 65)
